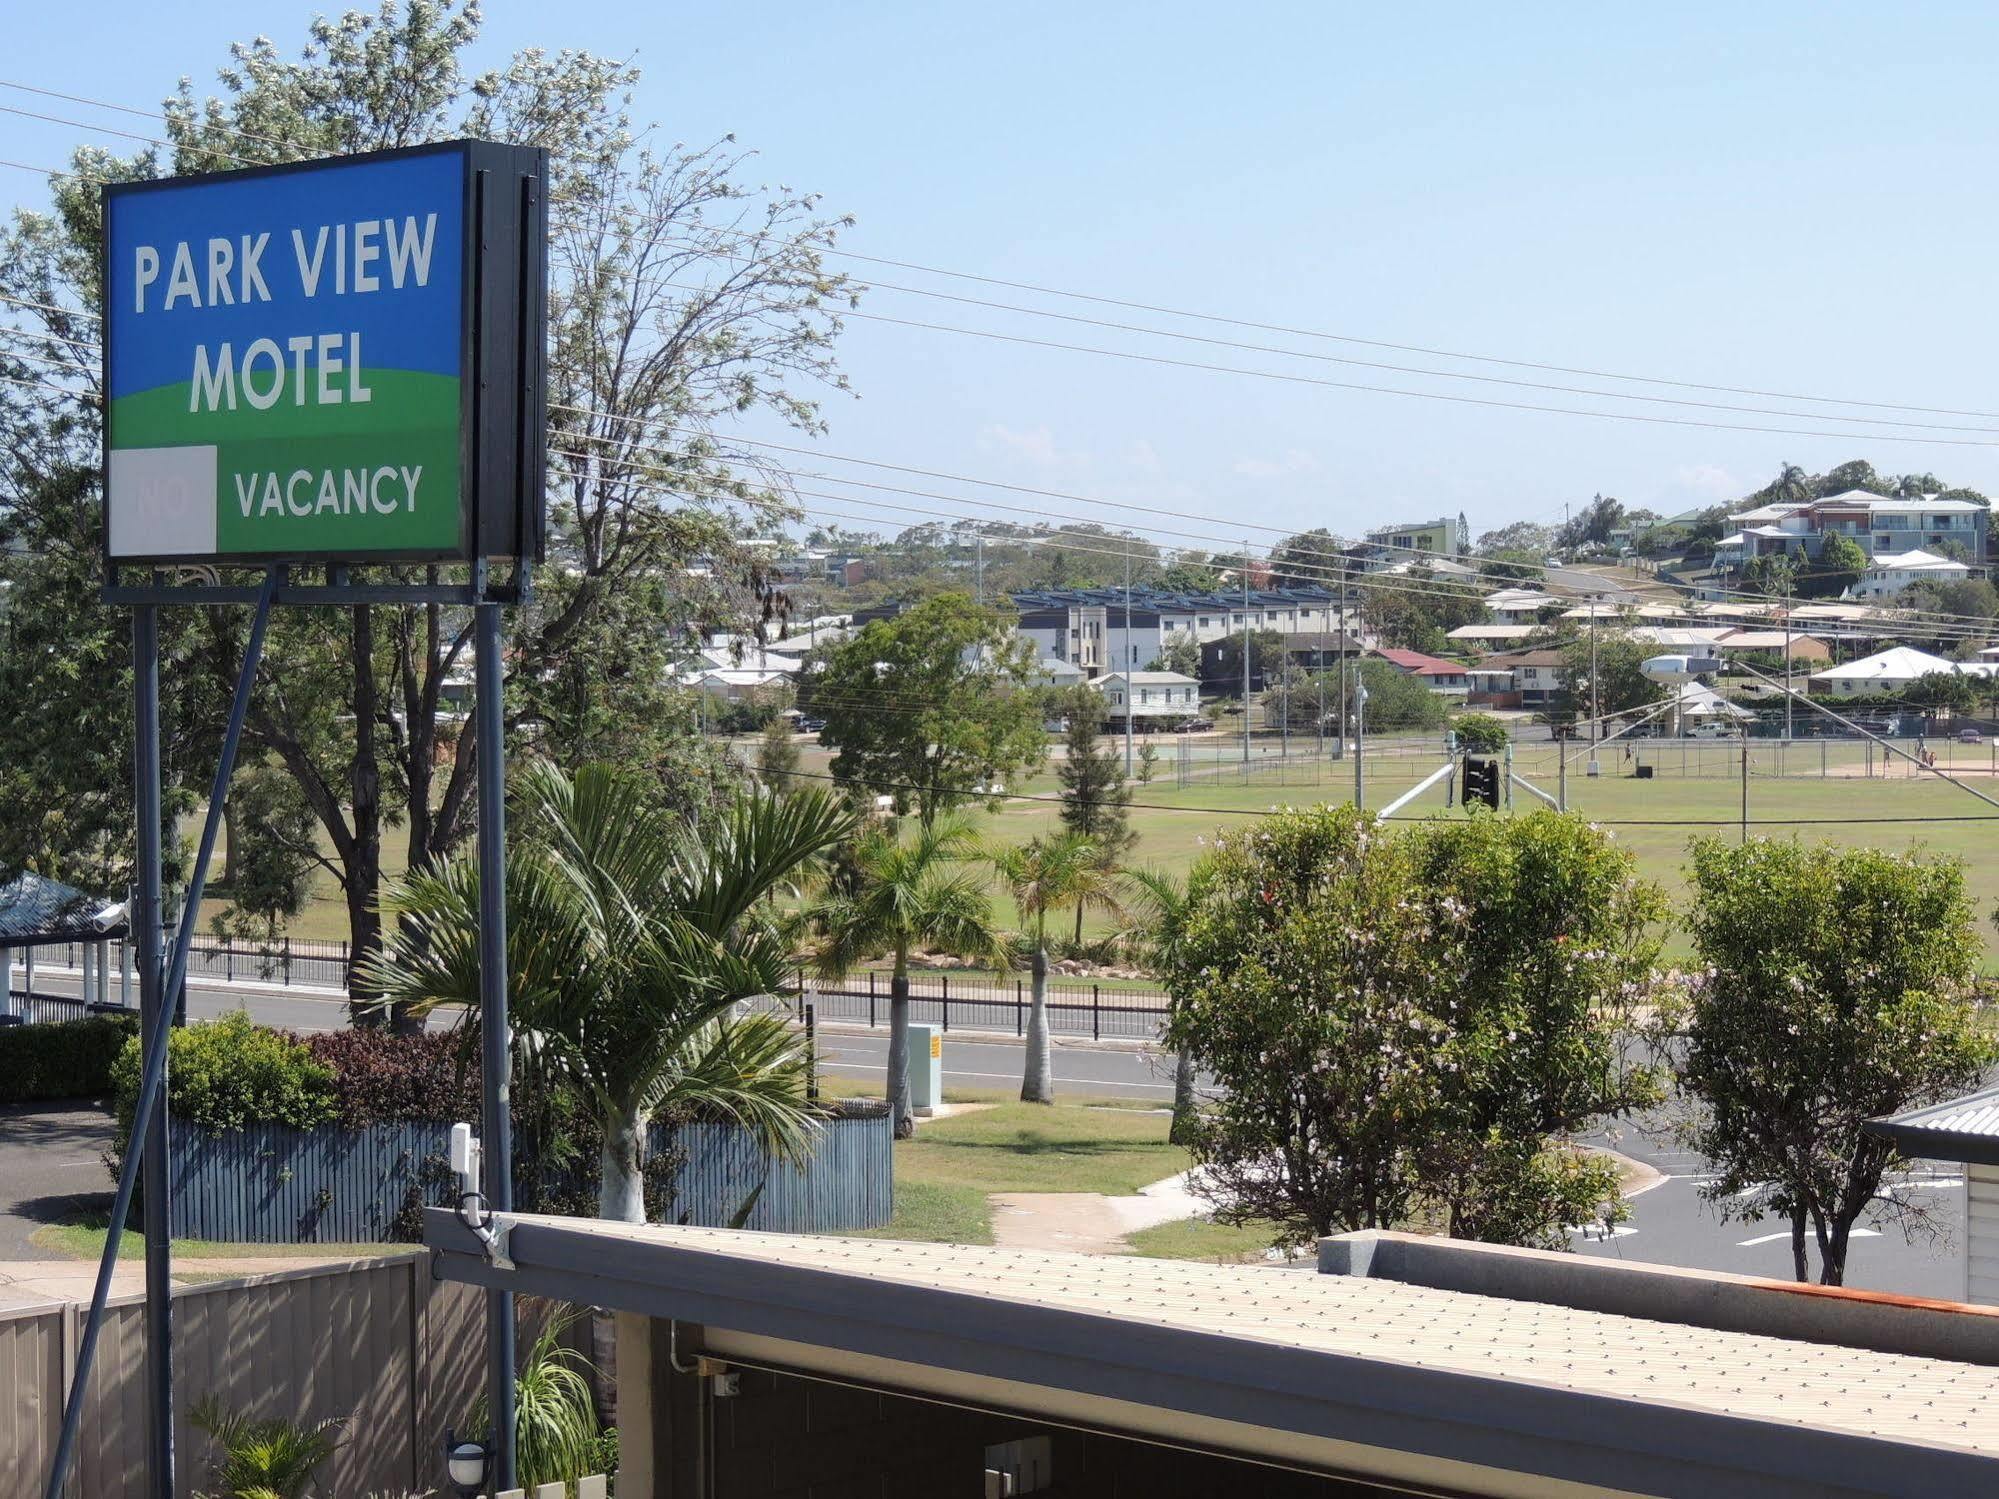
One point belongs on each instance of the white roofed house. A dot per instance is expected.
(1150, 699)
(1889, 574)
(1884, 671)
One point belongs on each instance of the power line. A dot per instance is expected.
(1392, 390)
(1402, 369)
(1156, 308)
(1214, 318)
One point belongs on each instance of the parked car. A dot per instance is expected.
(1970, 736)
(811, 725)
(1192, 726)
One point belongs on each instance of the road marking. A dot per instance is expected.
(835, 1065)
(1858, 1233)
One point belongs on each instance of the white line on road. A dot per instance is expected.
(1858, 1233)
(834, 1065)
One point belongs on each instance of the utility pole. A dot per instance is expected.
(980, 538)
(1787, 667)
(1359, 730)
(1130, 692)
(1745, 785)
(1595, 701)
(1342, 725)
(1245, 651)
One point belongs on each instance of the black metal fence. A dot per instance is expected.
(967, 1003)
(23, 1008)
(287, 961)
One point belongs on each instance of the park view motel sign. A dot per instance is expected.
(324, 361)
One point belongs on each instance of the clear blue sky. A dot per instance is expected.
(1788, 196)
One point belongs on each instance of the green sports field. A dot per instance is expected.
(1802, 792)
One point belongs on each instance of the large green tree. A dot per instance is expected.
(1399, 1019)
(1833, 986)
(931, 705)
(1311, 559)
(1395, 699)
(1615, 662)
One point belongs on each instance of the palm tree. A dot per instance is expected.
(1160, 902)
(630, 943)
(1048, 874)
(894, 894)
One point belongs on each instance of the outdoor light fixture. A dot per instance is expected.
(465, 1463)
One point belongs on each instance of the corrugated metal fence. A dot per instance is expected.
(378, 1342)
(275, 1185)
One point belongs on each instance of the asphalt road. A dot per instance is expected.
(1080, 1072)
(51, 1168)
(1669, 1223)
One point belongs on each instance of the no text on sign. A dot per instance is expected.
(332, 360)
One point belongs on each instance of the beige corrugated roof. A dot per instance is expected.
(1834, 1388)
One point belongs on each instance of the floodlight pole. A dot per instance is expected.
(1245, 653)
(496, 1126)
(1130, 691)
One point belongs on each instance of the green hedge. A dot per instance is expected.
(223, 1074)
(64, 1059)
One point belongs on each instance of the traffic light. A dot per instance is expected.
(1481, 781)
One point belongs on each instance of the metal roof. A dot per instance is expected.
(1958, 1129)
(35, 909)
(1379, 1376)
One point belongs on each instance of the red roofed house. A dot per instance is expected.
(1438, 674)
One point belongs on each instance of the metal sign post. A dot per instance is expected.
(328, 362)
(496, 1123)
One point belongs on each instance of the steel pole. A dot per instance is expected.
(496, 1127)
(1745, 785)
(155, 1006)
(149, 1115)
(1130, 689)
(1359, 738)
(1245, 654)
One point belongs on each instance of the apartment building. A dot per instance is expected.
(1088, 628)
(1405, 541)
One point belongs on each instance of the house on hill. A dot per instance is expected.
(1434, 672)
(1884, 671)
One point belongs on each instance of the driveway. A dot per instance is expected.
(51, 1168)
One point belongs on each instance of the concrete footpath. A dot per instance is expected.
(1090, 1222)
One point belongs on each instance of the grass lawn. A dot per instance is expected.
(85, 1241)
(1025, 1147)
(932, 1212)
(1198, 1239)
(942, 1176)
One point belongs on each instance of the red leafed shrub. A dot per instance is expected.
(378, 1075)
